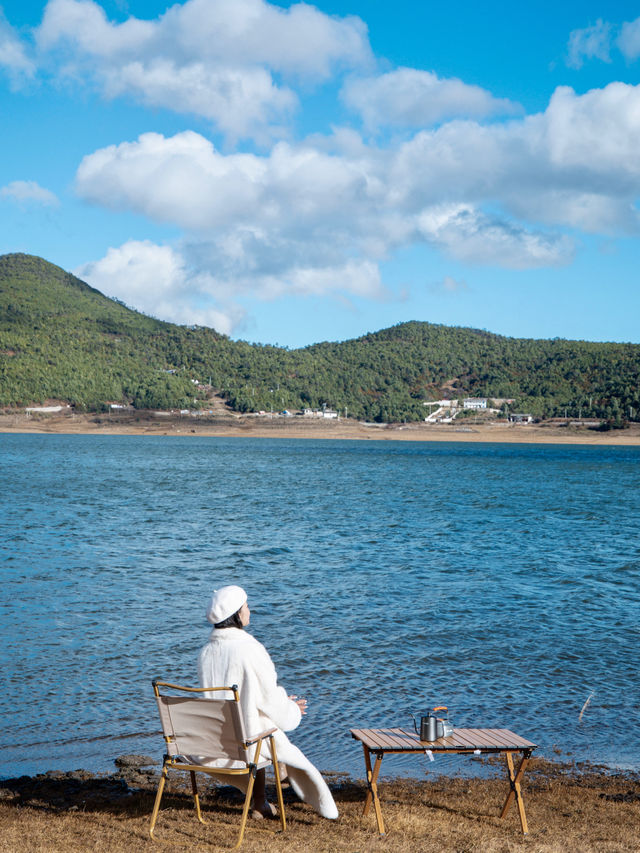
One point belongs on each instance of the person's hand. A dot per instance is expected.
(301, 703)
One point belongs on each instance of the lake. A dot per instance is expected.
(384, 578)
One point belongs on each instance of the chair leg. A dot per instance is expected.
(156, 805)
(247, 804)
(194, 789)
(276, 770)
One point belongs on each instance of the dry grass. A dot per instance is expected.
(567, 811)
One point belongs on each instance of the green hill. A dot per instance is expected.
(61, 339)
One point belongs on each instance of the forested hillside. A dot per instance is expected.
(61, 339)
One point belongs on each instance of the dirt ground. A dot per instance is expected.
(568, 809)
(231, 425)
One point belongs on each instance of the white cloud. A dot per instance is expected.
(171, 284)
(592, 212)
(319, 217)
(213, 58)
(589, 43)
(471, 236)
(84, 25)
(29, 191)
(182, 179)
(596, 42)
(265, 226)
(582, 149)
(185, 180)
(596, 133)
(408, 97)
(297, 40)
(155, 279)
(629, 39)
(13, 55)
(353, 277)
(239, 101)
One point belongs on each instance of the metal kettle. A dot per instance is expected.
(433, 727)
(429, 727)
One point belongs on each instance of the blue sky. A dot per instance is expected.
(292, 173)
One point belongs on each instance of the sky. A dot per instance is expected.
(289, 173)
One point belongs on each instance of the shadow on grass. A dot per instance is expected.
(133, 794)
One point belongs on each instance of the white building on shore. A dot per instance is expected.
(474, 403)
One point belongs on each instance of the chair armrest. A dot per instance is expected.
(264, 734)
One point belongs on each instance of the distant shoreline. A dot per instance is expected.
(251, 426)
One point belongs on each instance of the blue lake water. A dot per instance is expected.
(384, 578)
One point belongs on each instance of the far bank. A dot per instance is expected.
(251, 426)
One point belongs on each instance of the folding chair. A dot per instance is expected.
(212, 728)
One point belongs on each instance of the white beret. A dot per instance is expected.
(225, 602)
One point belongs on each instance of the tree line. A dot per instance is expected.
(61, 339)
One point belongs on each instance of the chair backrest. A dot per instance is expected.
(195, 725)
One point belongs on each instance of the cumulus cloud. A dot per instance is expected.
(171, 284)
(181, 179)
(592, 212)
(239, 101)
(408, 97)
(156, 280)
(469, 235)
(185, 180)
(300, 39)
(318, 217)
(597, 132)
(13, 55)
(267, 226)
(582, 149)
(213, 58)
(589, 43)
(29, 191)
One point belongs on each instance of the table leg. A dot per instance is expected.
(516, 791)
(372, 782)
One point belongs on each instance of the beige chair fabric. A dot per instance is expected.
(211, 727)
(193, 725)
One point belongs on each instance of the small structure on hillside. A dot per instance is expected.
(474, 403)
(50, 410)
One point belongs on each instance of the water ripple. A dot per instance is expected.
(499, 580)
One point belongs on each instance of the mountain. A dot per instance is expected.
(62, 339)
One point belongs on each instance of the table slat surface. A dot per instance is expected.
(404, 740)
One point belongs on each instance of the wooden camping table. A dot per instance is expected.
(380, 742)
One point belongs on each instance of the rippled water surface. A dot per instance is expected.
(501, 580)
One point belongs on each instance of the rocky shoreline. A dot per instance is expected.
(70, 790)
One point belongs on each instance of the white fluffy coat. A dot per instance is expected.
(232, 656)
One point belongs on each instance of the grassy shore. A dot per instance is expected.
(231, 425)
(568, 809)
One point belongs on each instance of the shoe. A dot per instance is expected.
(268, 811)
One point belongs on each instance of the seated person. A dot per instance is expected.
(232, 656)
